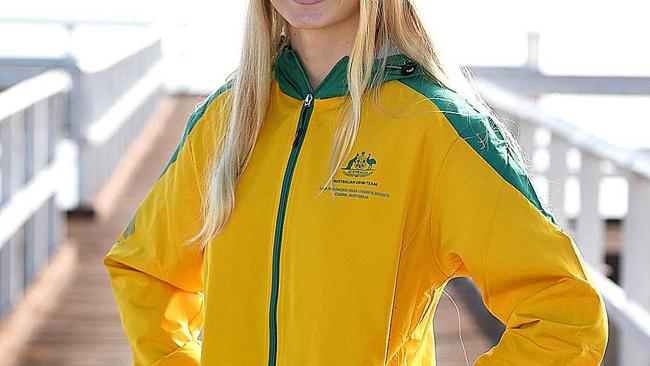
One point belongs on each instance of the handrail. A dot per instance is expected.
(31, 91)
(99, 131)
(25, 202)
(32, 113)
(147, 39)
(524, 110)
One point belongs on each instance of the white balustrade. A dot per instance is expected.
(31, 224)
(110, 101)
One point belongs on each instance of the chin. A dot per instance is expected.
(308, 14)
(309, 20)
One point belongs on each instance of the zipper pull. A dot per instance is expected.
(300, 130)
(308, 100)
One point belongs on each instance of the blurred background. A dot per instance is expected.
(94, 97)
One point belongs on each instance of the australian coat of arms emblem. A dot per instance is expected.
(360, 166)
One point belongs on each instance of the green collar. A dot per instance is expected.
(292, 79)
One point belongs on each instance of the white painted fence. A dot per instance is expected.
(113, 103)
(109, 104)
(32, 114)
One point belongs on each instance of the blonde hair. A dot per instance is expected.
(381, 23)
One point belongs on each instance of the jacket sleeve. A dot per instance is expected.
(157, 281)
(487, 223)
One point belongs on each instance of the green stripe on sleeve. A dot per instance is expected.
(480, 132)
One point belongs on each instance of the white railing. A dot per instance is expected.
(114, 103)
(31, 223)
(109, 104)
(628, 305)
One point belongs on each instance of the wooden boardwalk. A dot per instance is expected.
(83, 328)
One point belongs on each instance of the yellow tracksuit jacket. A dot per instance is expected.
(352, 276)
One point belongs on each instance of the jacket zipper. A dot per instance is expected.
(305, 114)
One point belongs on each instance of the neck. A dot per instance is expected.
(320, 49)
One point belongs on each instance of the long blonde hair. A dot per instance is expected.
(380, 23)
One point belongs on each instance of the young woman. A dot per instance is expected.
(321, 199)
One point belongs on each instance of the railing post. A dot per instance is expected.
(5, 161)
(557, 175)
(590, 228)
(635, 271)
(532, 61)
